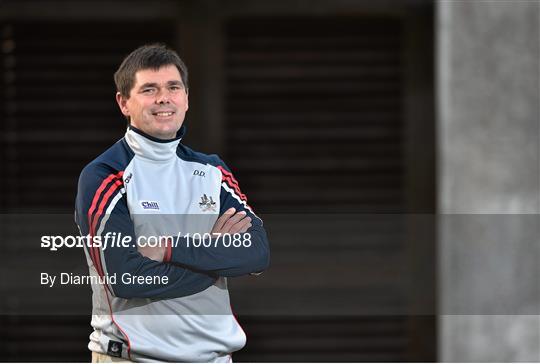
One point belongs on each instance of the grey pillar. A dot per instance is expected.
(488, 75)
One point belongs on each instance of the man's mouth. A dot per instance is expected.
(164, 113)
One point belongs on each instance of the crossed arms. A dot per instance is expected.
(189, 269)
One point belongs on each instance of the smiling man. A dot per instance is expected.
(174, 304)
(157, 102)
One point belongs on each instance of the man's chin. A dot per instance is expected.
(160, 130)
(165, 134)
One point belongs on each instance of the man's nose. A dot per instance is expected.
(163, 97)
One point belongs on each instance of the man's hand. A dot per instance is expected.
(232, 223)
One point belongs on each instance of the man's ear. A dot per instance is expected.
(122, 103)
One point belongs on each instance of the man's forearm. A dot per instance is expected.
(225, 256)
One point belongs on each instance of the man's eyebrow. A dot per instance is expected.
(175, 83)
(148, 84)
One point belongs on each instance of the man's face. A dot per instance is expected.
(157, 103)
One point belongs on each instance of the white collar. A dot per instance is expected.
(152, 148)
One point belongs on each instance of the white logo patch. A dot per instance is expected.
(149, 205)
(207, 204)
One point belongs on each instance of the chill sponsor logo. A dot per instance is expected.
(149, 205)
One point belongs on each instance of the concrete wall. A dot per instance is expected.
(488, 159)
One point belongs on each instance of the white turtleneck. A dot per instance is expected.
(145, 146)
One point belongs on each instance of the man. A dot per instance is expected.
(166, 302)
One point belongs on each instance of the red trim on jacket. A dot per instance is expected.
(228, 178)
(92, 221)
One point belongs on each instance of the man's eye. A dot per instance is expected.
(148, 90)
(175, 88)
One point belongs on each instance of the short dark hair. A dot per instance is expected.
(149, 56)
